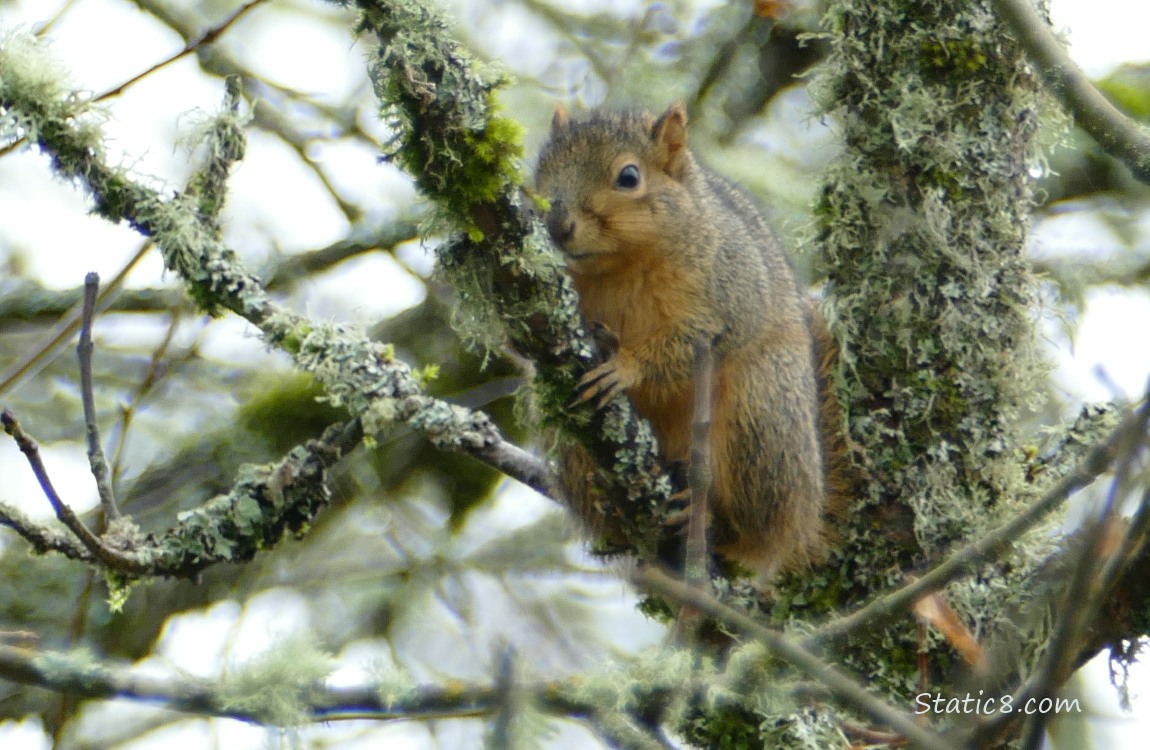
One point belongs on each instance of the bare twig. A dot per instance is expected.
(96, 457)
(842, 688)
(1117, 134)
(43, 28)
(31, 451)
(695, 568)
(43, 538)
(67, 516)
(207, 37)
(889, 607)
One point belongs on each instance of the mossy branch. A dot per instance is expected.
(354, 371)
(887, 608)
(843, 688)
(284, 686)
(464, 156)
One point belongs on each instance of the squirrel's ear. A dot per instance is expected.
(670, 137)
(559, 120)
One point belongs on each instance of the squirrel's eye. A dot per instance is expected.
(628, 178)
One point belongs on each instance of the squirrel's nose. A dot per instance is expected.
(560, 225)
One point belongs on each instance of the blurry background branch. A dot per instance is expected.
(1118, 134)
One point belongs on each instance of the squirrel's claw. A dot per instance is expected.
(679, 505)
(603, 383)
(605, 338)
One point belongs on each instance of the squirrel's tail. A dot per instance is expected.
(842, 475)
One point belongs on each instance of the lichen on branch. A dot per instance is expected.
(464, 155)
(37, 104)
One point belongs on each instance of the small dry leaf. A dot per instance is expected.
(773, 9)
(935, 612)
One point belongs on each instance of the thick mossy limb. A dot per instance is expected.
(464, 155)
(921, 225)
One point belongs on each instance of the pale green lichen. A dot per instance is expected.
(36, 96)
(223, 139)
(274, 685)
(78, 669)
(393, 685)
(922, 225)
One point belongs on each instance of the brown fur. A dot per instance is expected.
(683, 256)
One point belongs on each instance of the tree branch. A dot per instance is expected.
(843, 688)
(42, 538)
(96, 459)
(356, 372)
(888, 607)
(464, 155)
(113, 558)
(1117, 134)
(79, 674)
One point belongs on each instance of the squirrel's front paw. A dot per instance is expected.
(606, 381)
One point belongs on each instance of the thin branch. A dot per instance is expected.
(43, 538)
(78, 674)
(207, 37)
(842, 688)
(67, 516)
(260, 508)
(45, 27)
(695, 568)
(1095, 574)
(1116, 133)
(889, 607)
(96, 459)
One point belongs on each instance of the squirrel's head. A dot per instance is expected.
(615, 183)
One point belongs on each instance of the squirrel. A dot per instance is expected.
(663, 254)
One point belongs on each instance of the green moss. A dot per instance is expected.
(727, 727)
(492, 162)
(922, 226)
(962, 57)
